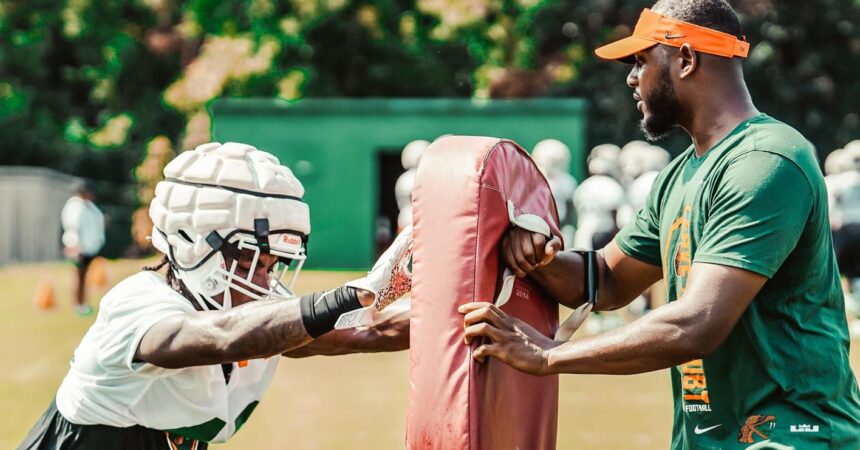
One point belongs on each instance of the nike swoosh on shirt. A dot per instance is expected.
(705, 430)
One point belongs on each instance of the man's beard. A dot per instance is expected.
(663, 106)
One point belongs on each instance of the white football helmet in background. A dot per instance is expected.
(412, 152)
(551, 156)
(218, 200)
(410, 158)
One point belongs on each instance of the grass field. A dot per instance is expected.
(355, 402)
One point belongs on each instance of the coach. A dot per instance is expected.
(737, 226)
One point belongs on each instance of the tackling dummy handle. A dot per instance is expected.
(536, 224)
(529, 222)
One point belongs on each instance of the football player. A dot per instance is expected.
(553, 159)
(181, 360)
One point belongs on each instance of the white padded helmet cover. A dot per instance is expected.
(225, 188)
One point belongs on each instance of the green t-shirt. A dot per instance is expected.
(756, 201)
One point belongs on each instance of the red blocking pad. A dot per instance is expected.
(460, 215)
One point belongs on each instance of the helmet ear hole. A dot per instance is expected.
(185, 236)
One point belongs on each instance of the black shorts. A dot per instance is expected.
(846, 242)
(83, 261)
(53, 432)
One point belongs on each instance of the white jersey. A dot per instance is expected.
(843, 192)
(403, 195)
(637, 197)
(106, 386)
(562, 185)
(83, 226)
(403, 188)
(596, 201)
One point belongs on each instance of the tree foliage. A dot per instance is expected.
(85, 84)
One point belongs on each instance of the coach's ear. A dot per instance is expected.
(689, 60)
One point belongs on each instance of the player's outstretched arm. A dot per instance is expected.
(389, 333)
(561, 274)
(690, 328)
(254, 330)
(382, 327)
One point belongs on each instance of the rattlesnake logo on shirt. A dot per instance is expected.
(750, 428)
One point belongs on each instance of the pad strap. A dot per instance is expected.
(321, 310)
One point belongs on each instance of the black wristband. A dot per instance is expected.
(591, 276)
(321, 310)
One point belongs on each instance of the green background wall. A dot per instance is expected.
(335, 147)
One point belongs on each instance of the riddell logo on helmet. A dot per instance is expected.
(291, 239)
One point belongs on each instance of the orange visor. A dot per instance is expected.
(653, 29)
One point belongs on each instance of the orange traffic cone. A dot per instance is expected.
(45, 298)
(97, 273)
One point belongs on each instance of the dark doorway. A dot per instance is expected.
(390, 168)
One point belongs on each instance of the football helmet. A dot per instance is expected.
(218, 200)
(552, 157)
(411, 154)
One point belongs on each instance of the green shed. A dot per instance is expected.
(346, 152)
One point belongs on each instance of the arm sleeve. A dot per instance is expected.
(757, 214)
(640, 238)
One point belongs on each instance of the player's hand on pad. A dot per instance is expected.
(528, 243)
(506, 338)
(524, 251)
(388, 280)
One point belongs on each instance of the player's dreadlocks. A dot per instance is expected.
(172, 281)
(714, 14)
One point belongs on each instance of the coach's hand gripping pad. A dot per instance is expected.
(459, 218)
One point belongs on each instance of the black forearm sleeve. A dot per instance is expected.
(320, 310)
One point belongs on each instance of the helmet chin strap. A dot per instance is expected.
(205, 302)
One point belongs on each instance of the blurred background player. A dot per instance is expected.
(629, 161)
(83, 239)
(842, 169)
(553, 159)
(597, 200)
(410, 158)
(181, 360)
(640, 165)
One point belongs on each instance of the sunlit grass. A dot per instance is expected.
(356, 402)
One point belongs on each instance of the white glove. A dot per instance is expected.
(388, 280)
